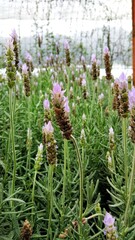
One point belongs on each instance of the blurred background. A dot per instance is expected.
(88, 25)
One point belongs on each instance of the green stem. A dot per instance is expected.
(131, 186)
(101, 110)
(12, 132)
(83, 163)
(93, 99)
(110, 99)
(50, 187)
(64, 177)
(33, 195)
(124, 126)
(81, 186)
(29, 126)
(113, 161)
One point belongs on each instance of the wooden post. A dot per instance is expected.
(133, 40)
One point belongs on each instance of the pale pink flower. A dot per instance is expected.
(28, 57)
(57, 90)
(93, 58)
(39, 55)
(66, 45)
(14, 34)
(108, 220)
(106, 50)
(84, 82)
(24, 69)
(82, 59)
(48, 128)
(10, 44)
(66, 105)
(46, 104)
(109, 224)
(122, 81)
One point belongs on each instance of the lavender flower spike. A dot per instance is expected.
(131, 98)
(57, 92)
(66, 105)
(24, 69)
(10, 44)
(82, 59)
(48, 128)
(110, 229)
(108, 220)
(93, 58)
(46, 104)
(28, 57)
(14, 35)
(123, 82)
(106, 50)
(66, 45)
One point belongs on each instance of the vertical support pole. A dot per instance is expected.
(133, 40)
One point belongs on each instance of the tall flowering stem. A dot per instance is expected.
(94, 67)
(12, 132)
(61, 109)
(67, 51)
(124, 137)
(123, 111)
(121, 103)
(64, 179)
(112, 146)
(130, 190)
(29, 63)
(107, 62)
(81, 186)
(131, 96)
(11, 75)
(37, 165)
(50, 143)
(16, 50)
(26, 80)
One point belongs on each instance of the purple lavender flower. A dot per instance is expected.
(131, 98)
(24, 69)
(66, 45)
(93, 58)
(20, 64)
(61, 108)
(39, 55)
(84, 82)
(66, 105)
(108, 220)
(57, 92)
(98, 62)
(110, 229)
(14, 35)
(123, 82)
(82, 59)
(28, 57)
(48, 128)
(106, 50)
(10, 44)
(46, 104)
